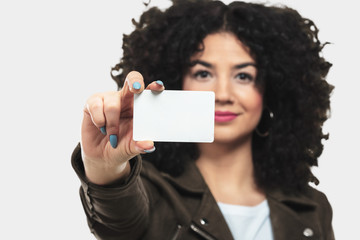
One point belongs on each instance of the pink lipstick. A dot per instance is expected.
(226, 116)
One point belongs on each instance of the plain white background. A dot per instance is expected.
(55, 54)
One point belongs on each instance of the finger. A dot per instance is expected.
(112, 116)
(145, 146)
(95, 108)
(134, 83)
(156, 86)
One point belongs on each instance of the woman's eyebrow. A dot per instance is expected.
(205, 64)
(244, 65)
(209, 65)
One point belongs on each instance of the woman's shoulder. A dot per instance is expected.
(316, 195)
(307, 196)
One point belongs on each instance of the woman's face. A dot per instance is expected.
(226, 68)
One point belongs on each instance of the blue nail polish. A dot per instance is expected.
(150, 150)
(160, 82)
(113, 140)
(103, 130)
(136, 85)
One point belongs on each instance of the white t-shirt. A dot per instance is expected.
(248, 223)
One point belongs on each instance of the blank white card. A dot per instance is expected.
(174, 116)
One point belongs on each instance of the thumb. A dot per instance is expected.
(144, 147)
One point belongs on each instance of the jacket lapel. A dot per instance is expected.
(207, 219)
(292, 217)
(210, 220)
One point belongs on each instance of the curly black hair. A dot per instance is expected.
(291, 72)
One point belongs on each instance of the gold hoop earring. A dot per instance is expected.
(265, 120)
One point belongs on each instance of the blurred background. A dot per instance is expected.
(55, 54)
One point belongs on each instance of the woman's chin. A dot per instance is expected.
(231, 138)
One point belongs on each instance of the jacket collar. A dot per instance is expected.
(301, 200)
(192, 181)
(285, 209)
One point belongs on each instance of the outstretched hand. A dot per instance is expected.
(107, 129)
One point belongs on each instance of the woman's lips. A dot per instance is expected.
(227, 116)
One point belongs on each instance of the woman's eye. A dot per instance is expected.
(245, 77)
(202, 74)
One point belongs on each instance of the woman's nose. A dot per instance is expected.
(223, 91)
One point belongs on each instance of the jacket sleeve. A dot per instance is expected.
(117, 211)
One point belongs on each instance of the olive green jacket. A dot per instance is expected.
(152, 205)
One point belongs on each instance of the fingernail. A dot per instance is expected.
(150, 150)
(136, 85)
(113, 140)
(159, 82)
(103, 130)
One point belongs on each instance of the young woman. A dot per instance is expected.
(271, 99)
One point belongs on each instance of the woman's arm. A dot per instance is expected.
(106, 162)
(116, 211)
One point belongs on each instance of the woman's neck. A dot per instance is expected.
(228, 171)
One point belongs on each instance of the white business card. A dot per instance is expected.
(174, 116)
